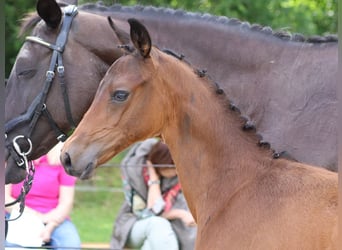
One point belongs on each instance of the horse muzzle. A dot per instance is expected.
(81, 173)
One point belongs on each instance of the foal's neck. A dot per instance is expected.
(208, 144)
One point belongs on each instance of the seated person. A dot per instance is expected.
(51, 199)
(154, 214)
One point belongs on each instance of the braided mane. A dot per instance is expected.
(32, 19)
(246, 125)
(161, 11)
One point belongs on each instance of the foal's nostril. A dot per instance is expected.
(67, 162)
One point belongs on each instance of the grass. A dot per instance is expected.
(97, 202)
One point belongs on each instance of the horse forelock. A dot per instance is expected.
(282, 34)
(28, 23)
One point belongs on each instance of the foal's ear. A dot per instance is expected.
(50, 12)
(120, 34)
(140, 37)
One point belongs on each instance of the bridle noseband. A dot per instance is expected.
(38, 106)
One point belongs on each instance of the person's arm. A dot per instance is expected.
(154, 195)
(66, 193)
(64, 207)
(176, 213)
(9, 198)
(57, 215)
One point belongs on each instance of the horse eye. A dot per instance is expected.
(27, 73)
(120, 96)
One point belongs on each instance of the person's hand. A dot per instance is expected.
(152, 171)
(47, 231)
(188, 219)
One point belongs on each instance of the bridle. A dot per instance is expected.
(38, 107)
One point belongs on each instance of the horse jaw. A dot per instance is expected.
(13, 173)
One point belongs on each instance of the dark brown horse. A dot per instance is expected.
(240, 197)
(285, 86)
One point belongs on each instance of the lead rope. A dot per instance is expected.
(30, 170)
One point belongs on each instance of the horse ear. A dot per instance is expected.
(50, 12)
(121, 34)
(140, 37)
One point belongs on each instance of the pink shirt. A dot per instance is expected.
(44, 193)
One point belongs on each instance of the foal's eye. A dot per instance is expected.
(120, 96)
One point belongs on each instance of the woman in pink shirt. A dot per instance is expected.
(51, 199)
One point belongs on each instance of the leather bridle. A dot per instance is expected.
(38, 106)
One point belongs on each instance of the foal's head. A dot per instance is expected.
(129, 106)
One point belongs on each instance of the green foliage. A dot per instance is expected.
(14, 12)
(97, 202)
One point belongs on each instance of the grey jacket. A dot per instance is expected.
(131, 171)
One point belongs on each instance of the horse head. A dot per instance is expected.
(57, 66)
(131, 107)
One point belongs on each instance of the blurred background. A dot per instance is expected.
(98, 200)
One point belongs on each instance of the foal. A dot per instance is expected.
(240, 197)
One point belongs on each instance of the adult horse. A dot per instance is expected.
(240, 197)
(284, 85)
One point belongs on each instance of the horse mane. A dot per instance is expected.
(247, 125)
(151, 10)
(28, 22)
(31, 19)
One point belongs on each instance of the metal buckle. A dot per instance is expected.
(62, 138)
(50, 75)
(60, 70)
(17, 147)
(23, 160)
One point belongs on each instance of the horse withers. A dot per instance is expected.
(240, 196)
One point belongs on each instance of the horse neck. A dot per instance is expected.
(236, 47)
(207, 143)
(101, 42)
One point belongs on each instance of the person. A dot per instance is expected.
(51, 200)
(154, 214)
